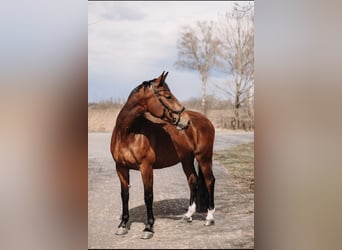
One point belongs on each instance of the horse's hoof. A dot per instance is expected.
(121, 231)
(147, 235)
(186, 219)
(209, 222)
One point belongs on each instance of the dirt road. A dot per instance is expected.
(234, 225)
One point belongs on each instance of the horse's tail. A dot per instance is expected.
(202, 199)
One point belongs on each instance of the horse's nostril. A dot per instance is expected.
(189, 122)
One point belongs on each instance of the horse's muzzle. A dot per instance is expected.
(181, 126)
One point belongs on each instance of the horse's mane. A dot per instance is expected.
(144, 84)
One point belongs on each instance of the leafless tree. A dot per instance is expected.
(198, 50)
(237, 57)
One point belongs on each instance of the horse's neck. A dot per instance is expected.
(127, 115)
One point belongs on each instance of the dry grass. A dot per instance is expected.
(239, 161)
(101, 117)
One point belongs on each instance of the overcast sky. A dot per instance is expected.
(130, 42)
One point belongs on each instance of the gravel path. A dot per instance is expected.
(234, 216)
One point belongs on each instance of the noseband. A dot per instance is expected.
(166, 108)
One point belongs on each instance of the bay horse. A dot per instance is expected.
(153, 130)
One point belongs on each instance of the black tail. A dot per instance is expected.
(202, 201)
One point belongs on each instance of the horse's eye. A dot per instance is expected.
(168, 97)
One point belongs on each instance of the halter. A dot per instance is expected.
(165, 107)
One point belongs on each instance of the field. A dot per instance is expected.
(102, 117)
(239, 161)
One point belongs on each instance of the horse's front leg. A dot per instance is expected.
(123, 174)
(147, 177)
(189, 170)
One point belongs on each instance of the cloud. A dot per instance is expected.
(122, 11)
(135, 41)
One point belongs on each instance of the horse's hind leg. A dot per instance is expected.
(205, 165)
(123, 174)
(190, 172)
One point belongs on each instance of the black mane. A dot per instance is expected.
(144, 84)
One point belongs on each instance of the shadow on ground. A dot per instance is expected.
(173, 209)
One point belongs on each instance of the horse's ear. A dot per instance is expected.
(160, 80)
(165, 76)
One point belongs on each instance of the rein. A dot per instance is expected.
(168, 109)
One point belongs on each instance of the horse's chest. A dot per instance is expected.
(130, 152)
(123, 154)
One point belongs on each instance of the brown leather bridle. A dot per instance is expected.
(173, 121)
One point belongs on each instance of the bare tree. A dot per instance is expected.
(237, 57)
(198, 50)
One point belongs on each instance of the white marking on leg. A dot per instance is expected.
(210, 215)
(191, 210)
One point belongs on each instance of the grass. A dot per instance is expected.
(221, 118)
(239, 161)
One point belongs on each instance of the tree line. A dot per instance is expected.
(226, 46)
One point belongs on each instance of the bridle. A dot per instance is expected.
(174, 121)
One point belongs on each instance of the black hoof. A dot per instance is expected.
(121, 231)
(147, 235)
(209, 222)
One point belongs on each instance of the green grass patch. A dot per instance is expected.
(239, 161)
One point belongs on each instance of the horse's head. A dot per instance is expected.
(164, 105)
